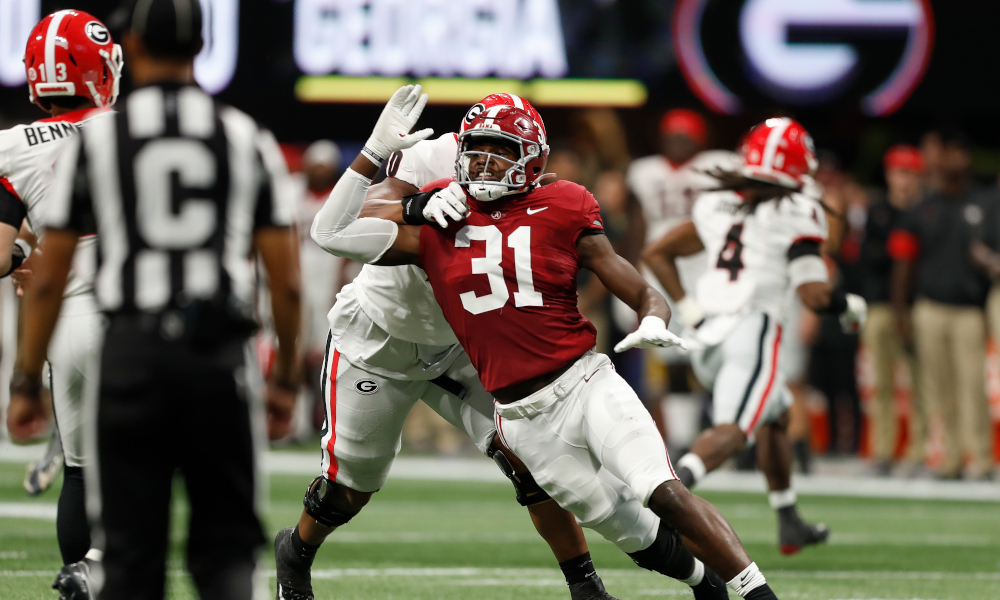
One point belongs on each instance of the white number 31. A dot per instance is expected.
(489, 265)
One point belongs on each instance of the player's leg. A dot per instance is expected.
(360, 438)
(774, 457)
(622, 437)
(223, 537)
(747, 379)
(460, 398)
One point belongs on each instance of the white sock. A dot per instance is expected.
(696, 575)
(782, 499)
(95, 555)
(748, 580)
(694, 464)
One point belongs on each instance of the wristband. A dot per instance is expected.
(24, 384)
(413, 207)
(373, 156)
(838, 303)
(19, 253)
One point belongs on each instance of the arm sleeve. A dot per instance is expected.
(12, 210)
(276, 196)
(70, 203)
(338, 230)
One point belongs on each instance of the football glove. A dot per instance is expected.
(853, 317)
(689, 312)
(392, 131)
(652, 333)
(449, 202)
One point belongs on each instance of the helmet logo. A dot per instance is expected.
(475, 111)
(32, 74)
(97, 33)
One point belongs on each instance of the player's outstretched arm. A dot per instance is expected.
(622, 280)
(808, 275)
(661, 257)
(338, 227)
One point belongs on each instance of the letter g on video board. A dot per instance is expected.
(803, 52)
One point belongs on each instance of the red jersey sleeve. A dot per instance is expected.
(590, 214)
(437, 183)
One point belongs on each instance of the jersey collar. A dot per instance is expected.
(75, 116)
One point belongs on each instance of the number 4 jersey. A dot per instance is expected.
(506, 280)
(747, 252)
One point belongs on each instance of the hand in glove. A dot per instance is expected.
(689, 312)
(853, 318)
(392, 131)
(449, 202)
(652, 333)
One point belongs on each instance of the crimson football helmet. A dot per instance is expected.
(513, 125)
(779, 152)
(71, 53)
(501, 100)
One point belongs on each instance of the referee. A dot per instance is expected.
(181, 190)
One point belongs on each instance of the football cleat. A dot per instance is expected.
(73, 582)
(294, 577)
(592, 589)
(794, 533)
(712, 587)
(40, 473)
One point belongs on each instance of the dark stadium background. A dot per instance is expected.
(632, 39)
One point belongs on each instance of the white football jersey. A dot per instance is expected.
(400, 299)
(747, 253)
(27, 156)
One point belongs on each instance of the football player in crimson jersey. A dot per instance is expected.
(762, 238)
(505, 279)
(73, 67)
(388, 335)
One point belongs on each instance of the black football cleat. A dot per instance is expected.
(592, 589)
(712, 587)
(794, 533)
(73, 582)
(294, 577)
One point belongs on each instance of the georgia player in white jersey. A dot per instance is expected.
(666, 186)
(73, 67)
(390, 346)
(761, 238)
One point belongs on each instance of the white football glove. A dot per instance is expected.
(449, 202)
(652, 333)
(689, 312)
(853, 319)
(392, 131)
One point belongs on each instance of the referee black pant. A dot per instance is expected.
(164, 409)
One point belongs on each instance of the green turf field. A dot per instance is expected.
(444, 541)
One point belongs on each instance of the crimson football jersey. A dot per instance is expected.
(506, 280)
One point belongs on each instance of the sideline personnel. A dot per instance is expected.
(181, 189)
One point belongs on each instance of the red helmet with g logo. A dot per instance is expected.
(71, 53)
(780, 152)
(514, 126)
(501, 100)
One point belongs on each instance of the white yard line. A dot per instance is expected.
(27, 510)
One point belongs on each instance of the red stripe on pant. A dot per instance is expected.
(331, 472)
(770, 381)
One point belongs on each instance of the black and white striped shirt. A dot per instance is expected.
(176, 185)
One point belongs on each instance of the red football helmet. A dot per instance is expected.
(71, 53)
(501, 100)
(515, 126)
(778, 151)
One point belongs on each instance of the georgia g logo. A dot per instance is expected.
(97, 33)
(366, 386)
(475, 111)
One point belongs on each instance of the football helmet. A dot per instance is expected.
(512, 125)
(71, 53)
(500, 100)
(684, 122)
(779, 152)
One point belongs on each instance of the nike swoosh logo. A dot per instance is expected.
(532, 211)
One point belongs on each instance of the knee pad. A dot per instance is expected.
(526, 489)
(319, 504)
(666, 555)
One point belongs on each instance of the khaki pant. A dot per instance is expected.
(951, 351)
(885, 347)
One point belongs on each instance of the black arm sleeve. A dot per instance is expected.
(803, 248)
(12, 210)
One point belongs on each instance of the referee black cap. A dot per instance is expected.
(168, 28)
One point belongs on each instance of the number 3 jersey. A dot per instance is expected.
(506, 280)
(27, 156)
(747, 252)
